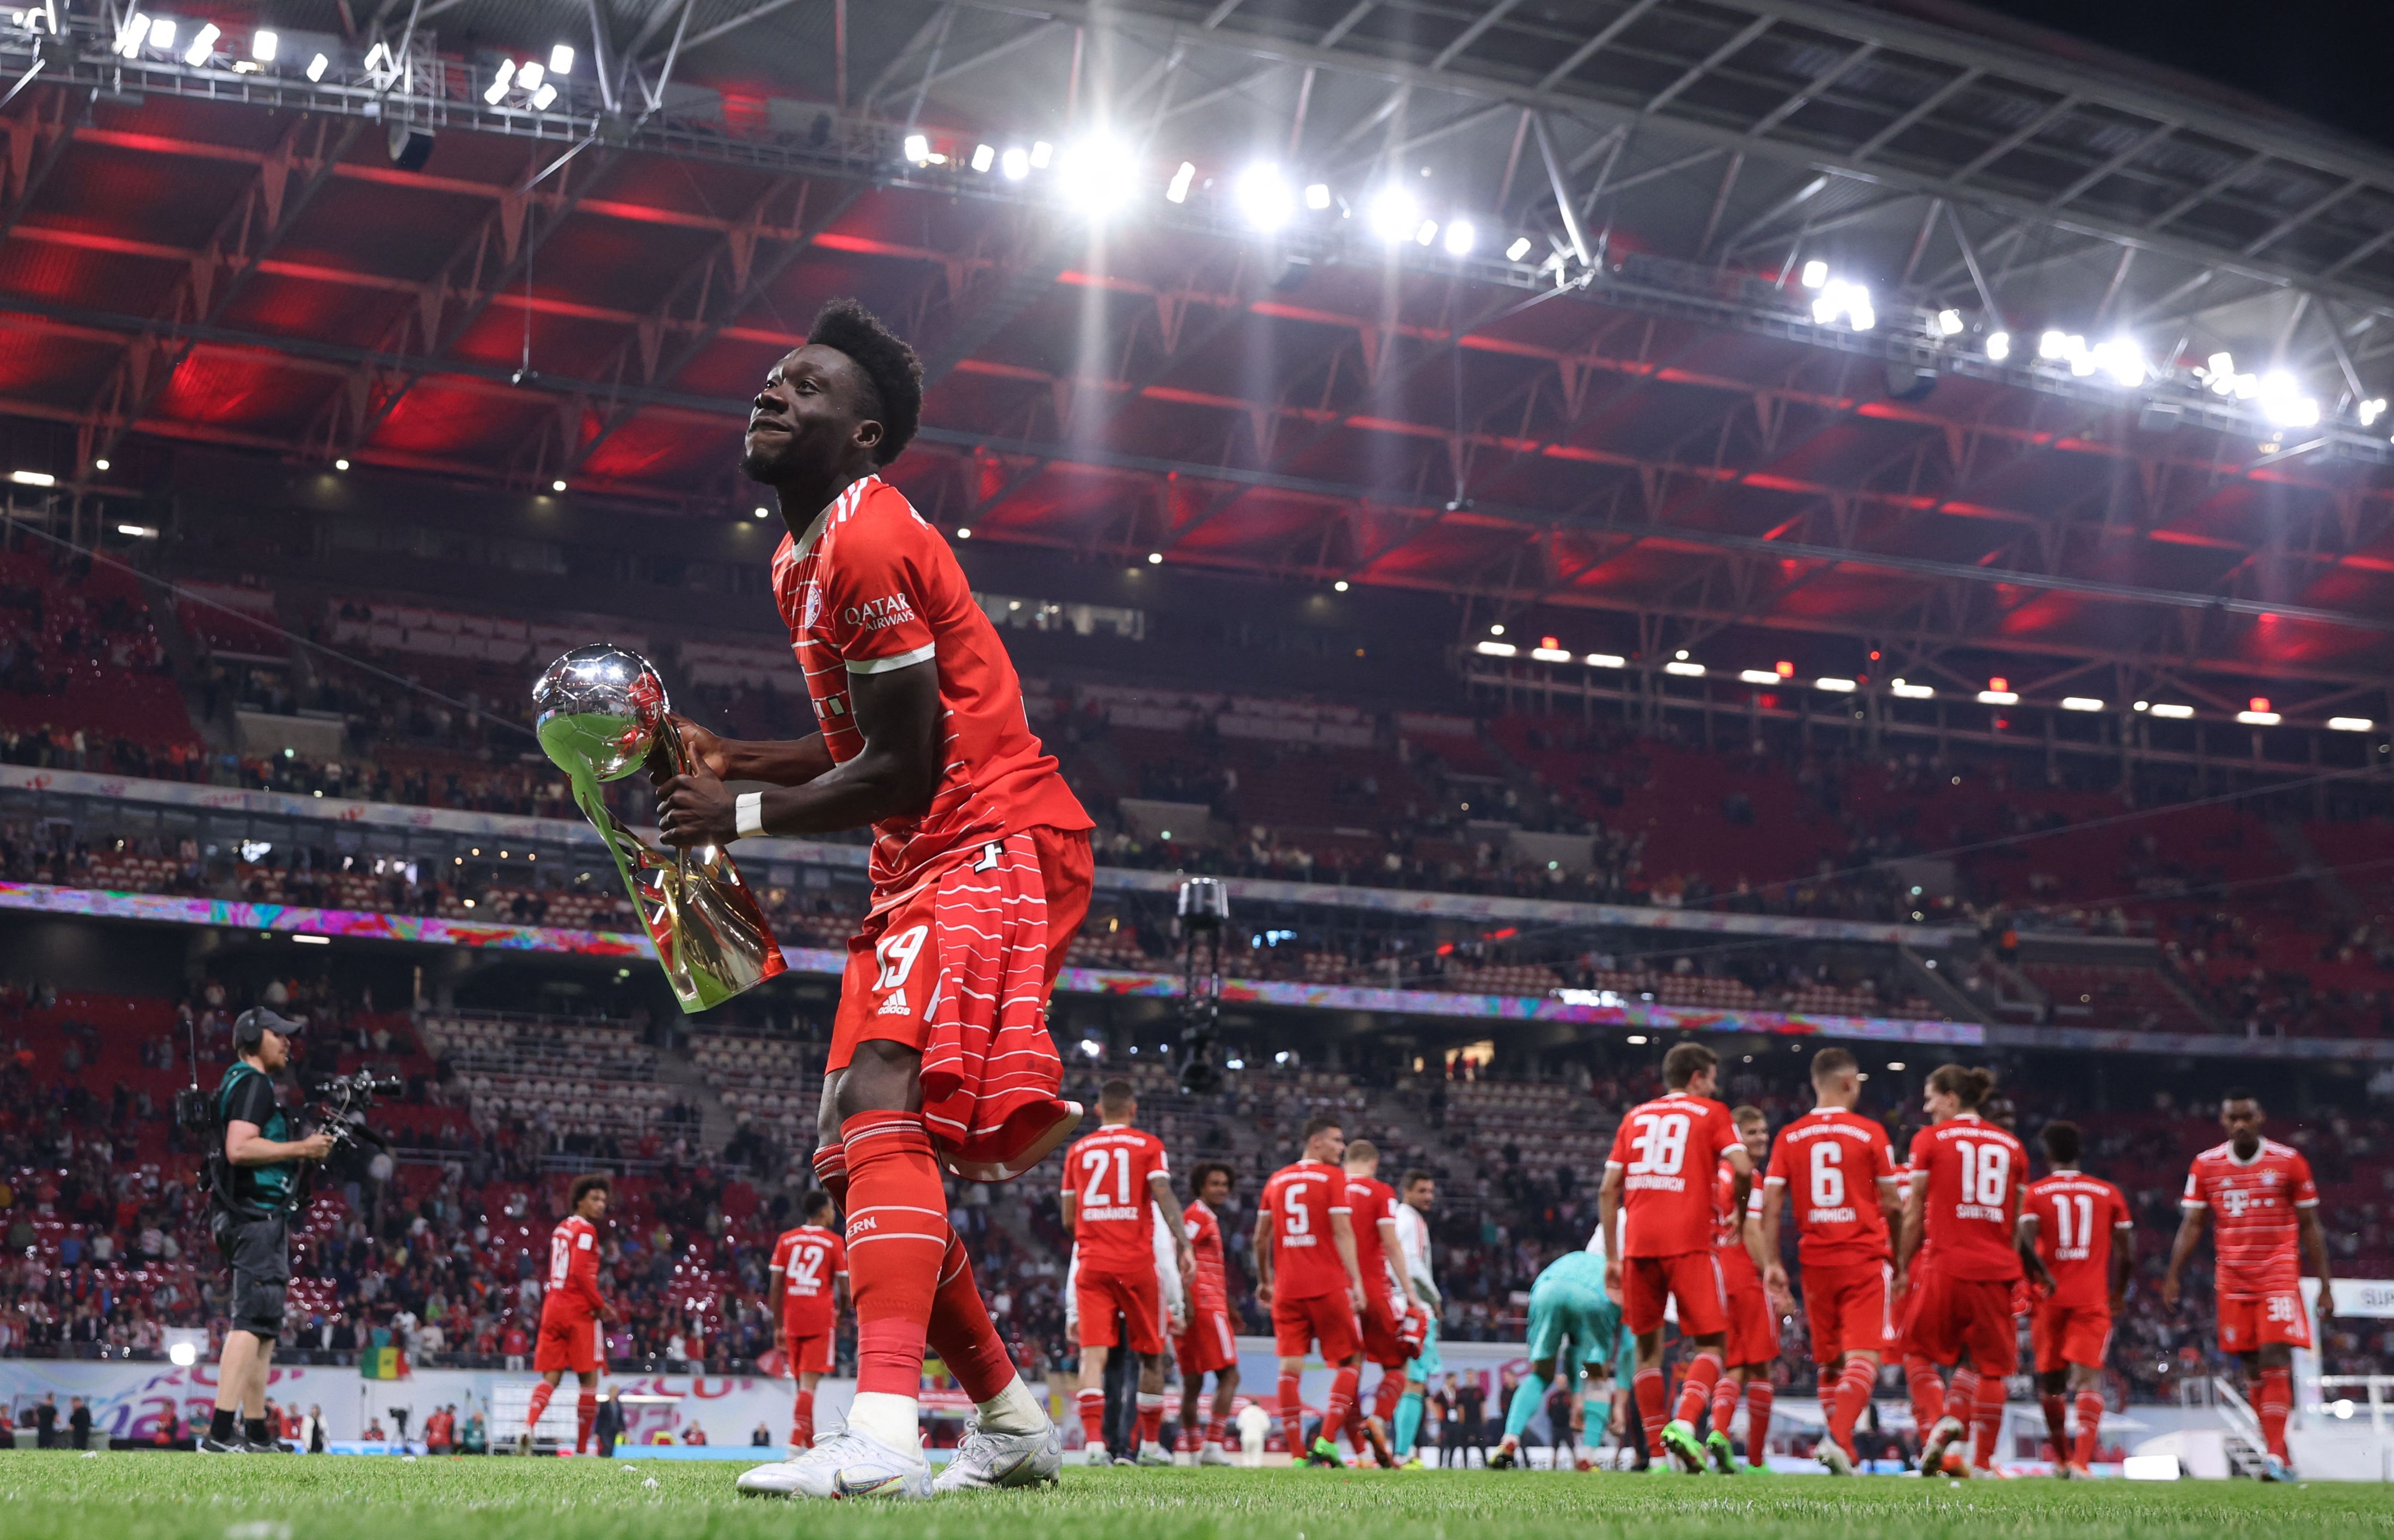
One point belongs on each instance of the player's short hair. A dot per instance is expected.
(892, 373)
(1322, 1122)
(1685, 1062)
(2060, 1141)
(1362, 1150)
(1205, 1169)
(2238, 1093)
(1748, 1114)
(817, 1202)
(1830, 1063)
(1114, 1095)
(1969, 1083)
(1417, 1174)
(585, 1185)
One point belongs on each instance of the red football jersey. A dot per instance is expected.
(1728, 1230)
(1114, 1227)
(2253, 1204)
(1669, 1148)
(873, 588)
(1300, 1199)
(1973, 1170)
(1831, 1161)
(2078, 1218)
(1209, 1286)
(573, 1294)
(808, 1259)
(1369, 1201)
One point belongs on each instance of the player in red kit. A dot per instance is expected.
(2079, 1225)
(571, 1313)
(1752, 1344)
(1968, 1177)
(1210, 1345)
(1656, 1210)
(2259, 1197)
(1308, 1275)
(1392, 1315)
(1835, 1165)
(1117, 1186)
(980, 873)
(808, 1284)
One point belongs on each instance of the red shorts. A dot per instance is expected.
(892, 979)
(2248, 1325)
(1383, 1342)
(1209, 1346)
(1327, 1319)
(1753, 1331)
(569, 1342)
(1138, 1301)
(1694, 1278)
(2064, 1334)
(810, 1354)
(1958, 1315)
(1847, 1309)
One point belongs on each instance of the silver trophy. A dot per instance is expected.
(602, 717)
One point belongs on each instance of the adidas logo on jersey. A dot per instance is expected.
(895, 1005)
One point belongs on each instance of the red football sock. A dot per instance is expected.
(1759, 1397)
(1384, 1399)
(1342, 1400)
(897, 1239)
(1702, 1375)
(1093, 1415)
(1851, 1399)
(2275, 1400)
(1292, 1413)
(961, 1333)
(1648, 1389)
(1928, 1391)
(2090, 1425)
(802, 1421)
(1962, 1395)
(2055, 1407)
(585, 1411)
(1725, 1393)
(831, 1171)
(537, 1407)
(1150, 1418)
(1218, 1432)
(1988, 1426)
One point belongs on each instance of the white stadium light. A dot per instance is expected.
(1684, 668)
(1816, 272)
(1848, 302)
(1317, 196)
(203, 44)
(1605, 660)
(546, 97)
(1834, 686)
(1041, 153)
(1999, 346)
(2349, 724)
(132, 34)
(1757, 676)
(2053, 345)
(1949, 323)
(1015, 164)
(2172, 709)
(1905, 691)
(1392, 214)
(2080, 703)
(530, 75)
(162, 33)
(1998, 698)
(1550, 654)
(2371, 409)
(137, 531)
(1427, 233)
(506, 77)
(1264, 196)
(2258, 719)
(2284, 403)
(1097, 176)
(1177, 191)
(264, 46)
(1460, 238)
(32, 478)
(1518, 249)
(917, 148)
(983, 156)
(1496, 649)
(560, 59)
(317, 66)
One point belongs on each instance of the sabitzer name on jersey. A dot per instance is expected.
(1980, 1211)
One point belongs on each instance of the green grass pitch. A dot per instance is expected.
(147, 1496)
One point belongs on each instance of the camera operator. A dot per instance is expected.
(254, 1185)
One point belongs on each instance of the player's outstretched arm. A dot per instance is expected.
(2314, 1239)
(894, 774)
(1176, 1220)
(1608, 1219)
(1915, 1220)
(2190, 1236)
(1342, 1238)
(777, 762)
(1262, 1255)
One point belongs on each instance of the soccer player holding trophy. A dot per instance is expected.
(981, 871)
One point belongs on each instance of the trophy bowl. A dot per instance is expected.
(602, 709)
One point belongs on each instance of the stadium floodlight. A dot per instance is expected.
(546, 97)
(2259, 718)
(1815, 274)
(1518, 249)
(161, 31)
(1905, 690)
(1497, 630)
(1949, 323)
(1042, 154)
(917, 148)
(963, 532)
(1341, 585)
(2172, 709)
(2371, 409)
(1317, 196)
(2080, 703)
(1177, 191)
(768, 513)
(1999, 346)
(32, 478)
(560, 59)
(1550, 654)
(2282, 402)
(203, 44)
(1605, 660)
(1848, 302)
(1757, 676)
(99, 464)
(1684, 668)
(1835, 687)
(1097, 176)
(1015, 164)
(1155, 558)
(983, 156)
(317, 66)
(1263, 196)
(506, 77)
(1460, 238)
(137, 531)
(2122, 360)
(1427, 233)
(341, 464)
(1998, 698)
(2349, 724)
(1392, 214)
(130, 36)
(557, 485)
(530, 76)
(264, 46)
(1496, 649)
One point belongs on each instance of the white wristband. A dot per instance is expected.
(750, 818)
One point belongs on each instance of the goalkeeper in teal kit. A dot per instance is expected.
(1574, 1330)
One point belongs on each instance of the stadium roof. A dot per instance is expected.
(1719, 351)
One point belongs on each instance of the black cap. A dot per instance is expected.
(250, 1027)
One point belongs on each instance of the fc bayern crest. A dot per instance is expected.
(813, 607)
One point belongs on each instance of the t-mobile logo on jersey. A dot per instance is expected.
(877, 614)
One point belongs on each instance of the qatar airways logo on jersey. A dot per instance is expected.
(880, 614)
